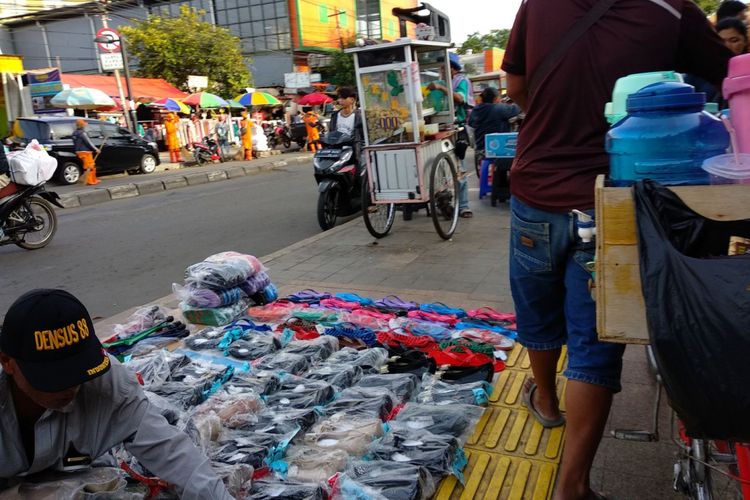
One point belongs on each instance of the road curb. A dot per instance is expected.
(99, 195)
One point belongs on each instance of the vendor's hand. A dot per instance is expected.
(431, 86)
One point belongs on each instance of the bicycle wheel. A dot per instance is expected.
(40, 220)
(378, 217)
(444, 195)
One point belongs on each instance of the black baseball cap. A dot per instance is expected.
(50, 335)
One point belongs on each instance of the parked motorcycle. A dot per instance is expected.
(269, 129)
(27, 218)
(206, 151)
(339, 179)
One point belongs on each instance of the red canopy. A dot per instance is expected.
(148, 88)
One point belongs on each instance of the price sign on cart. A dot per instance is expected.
(111, 34)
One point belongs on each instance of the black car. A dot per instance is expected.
(123, 151)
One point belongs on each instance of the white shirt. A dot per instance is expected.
(345, 124)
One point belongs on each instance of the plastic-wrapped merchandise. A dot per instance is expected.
(263, 382)
(165, 407)
(254, 347)
(223, 270)
(363, 401)
(315, 349)
(283, 421)
(214, 316)
(207, 297)
(255, 283)
(403, 385)
(315, 465)
(370, 360)
(435, 391)
(318, 315)
(234, 410)
(90, 484)
(301, 393)
(250, 449)
(181, 394)
(269, 490)
(436, 453)
(340, 377)
(354, 435)
(191, 384)
(237, 478)
(406, 360)
(284, 361)
(275, 312)
(143, 318)
(390, 480)
(156, 367)
(455, 420)
(208, 338)
(369, 318)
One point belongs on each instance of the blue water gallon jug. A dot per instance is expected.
(665, 136)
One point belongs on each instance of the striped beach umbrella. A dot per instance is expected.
(257, 99)
(171, 105)
(205, 100)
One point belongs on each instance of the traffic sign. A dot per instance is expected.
(113, 35)
(111, 61)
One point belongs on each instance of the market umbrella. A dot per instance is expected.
(82, 98)
(235, 104)
(314, 99)
(205, 100)
(171, 105)
(257, 99)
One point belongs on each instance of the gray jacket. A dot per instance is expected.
(107, 411)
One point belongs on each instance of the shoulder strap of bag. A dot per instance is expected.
(579, 28)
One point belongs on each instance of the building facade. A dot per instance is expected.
(277, 35)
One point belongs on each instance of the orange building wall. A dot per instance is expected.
(314, 23)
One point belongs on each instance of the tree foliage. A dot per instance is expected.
(708, 6)
(341, 70)
(477, 42)
(175, 47)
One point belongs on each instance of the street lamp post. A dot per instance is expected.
(132, 120)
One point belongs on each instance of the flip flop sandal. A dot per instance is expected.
(459, 356)
(477, 324)
(488, 313)
(309, 296)
(394, 339)
(353, 297)
(440, 308)
(353, 332)
(436, 331)
(547, 423)
(497, 340)
(466, 214)
(274, 312)
(395, 302)
(445, 319)
(335, 303)
(465, 374)
(316, 315)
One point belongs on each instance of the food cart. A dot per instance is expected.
(410, 132)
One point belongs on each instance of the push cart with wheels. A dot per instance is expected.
(410, 132)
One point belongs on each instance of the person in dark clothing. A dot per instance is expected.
(731, 8)
(491, 116)
(560, 152)
(85, 149)
(734, 33)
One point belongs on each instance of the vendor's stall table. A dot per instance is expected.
(620, 311)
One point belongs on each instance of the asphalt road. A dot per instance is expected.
(124, 253)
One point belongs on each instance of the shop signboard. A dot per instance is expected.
(43, 85)
(297, 80)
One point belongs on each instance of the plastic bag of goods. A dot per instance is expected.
(32, 166)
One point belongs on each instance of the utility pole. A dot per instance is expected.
(336, 14)
(125, 104)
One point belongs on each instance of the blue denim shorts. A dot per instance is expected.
(549, 283)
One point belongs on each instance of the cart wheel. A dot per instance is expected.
(378, 217)
(444, 195)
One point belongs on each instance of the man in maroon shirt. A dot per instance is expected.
(559, 154)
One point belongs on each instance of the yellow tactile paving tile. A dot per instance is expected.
(515, 432)
(492, 476)
(508, 389)
(518, 359)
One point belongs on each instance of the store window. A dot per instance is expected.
(368, 18)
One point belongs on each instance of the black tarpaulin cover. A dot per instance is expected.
(698, 312)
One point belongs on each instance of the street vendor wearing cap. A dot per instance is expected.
(246, 135)
(173, 142)
(85, 149)
(64, 402)
(463, 100)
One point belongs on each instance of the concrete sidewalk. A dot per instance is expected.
(471, 271)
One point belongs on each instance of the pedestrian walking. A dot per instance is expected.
(246, 135)
(222, 136)
(562, 61)
(64, 402)
(85, 150)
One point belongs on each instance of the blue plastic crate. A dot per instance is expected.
(500, 145)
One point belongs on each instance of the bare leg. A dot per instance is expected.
(544, 366)
(587, 411)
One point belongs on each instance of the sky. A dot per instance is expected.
(468, 16)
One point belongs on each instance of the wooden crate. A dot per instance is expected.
(621, 315)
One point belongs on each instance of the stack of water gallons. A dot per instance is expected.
(219, 289)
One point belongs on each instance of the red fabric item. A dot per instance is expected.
(561, 144)
(9, 190)
(143, 88)
(462, 356)
(421, 342)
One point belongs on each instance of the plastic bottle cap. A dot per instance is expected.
(666, 96)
